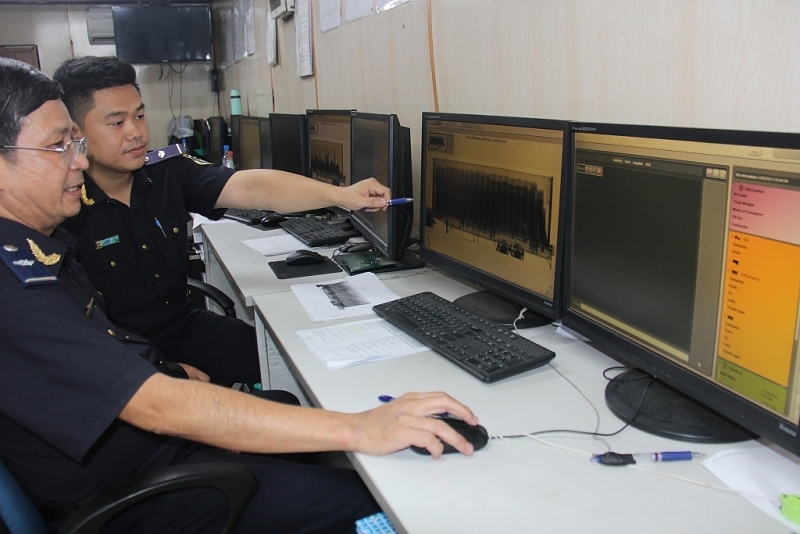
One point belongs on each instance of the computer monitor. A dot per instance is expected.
(217, 138)
(249, 143)
(289, 143)
(493, 191)
(329, 146)
(684, 263)
(265, 135)
(381, 148)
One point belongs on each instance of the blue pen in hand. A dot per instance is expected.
(399, 201)
(389, 398)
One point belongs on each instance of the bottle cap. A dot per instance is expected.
(225, 148)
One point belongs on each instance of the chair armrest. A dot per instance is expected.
(235, 480)
(207, 290)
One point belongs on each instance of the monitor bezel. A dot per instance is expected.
(703, 390)
(539, 304)
(400, 217)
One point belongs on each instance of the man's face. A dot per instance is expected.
(116, 132)
(38, 189)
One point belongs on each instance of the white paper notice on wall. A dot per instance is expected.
(302, 28)
(330, 14)
(355, 9)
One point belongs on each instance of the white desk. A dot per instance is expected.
(241, 271)
(517, 485)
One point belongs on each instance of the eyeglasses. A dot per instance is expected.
(69, 152)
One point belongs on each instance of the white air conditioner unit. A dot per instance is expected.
(99, 25)
(281, 9)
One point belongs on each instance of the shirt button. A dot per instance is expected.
(157, 275)
(113, 263)
(111, 332)
(175, 230)
(144, 247)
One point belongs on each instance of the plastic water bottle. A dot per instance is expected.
(227, 157)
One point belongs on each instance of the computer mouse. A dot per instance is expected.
(304, 257)
(271, 220)
(476, 435)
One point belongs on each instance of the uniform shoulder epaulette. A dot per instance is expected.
(156, 156)
(29, 271)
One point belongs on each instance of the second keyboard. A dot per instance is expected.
(484, 349)
(316, 232)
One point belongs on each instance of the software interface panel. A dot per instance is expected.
(693, 250)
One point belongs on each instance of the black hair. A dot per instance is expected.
(83, 76)
(23, 90)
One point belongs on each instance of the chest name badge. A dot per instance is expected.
(113, 240)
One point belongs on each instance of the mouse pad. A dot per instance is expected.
(284, 271)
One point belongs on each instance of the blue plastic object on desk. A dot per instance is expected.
(375, 524)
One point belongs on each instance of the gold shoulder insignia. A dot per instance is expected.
(197, 160)
(85, 197)
(41, 257)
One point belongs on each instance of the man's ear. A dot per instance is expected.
(77, 131)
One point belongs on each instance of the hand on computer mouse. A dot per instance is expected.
(407, 421)
(304, 257)
(475, 434)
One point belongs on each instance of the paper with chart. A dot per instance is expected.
(342, 298)
(359, 342)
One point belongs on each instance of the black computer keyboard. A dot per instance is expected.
(246, 216)
(482, 348)
(316, 232)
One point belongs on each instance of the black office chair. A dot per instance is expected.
(207, 290)
(236, 481)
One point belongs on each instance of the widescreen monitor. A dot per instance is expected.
(329, 146)
(289, 142)
(217, 138)
(684, 263)
(162, 33)
(381, 149)
(249, 143)
(493, 193)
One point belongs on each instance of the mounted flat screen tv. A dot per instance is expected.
(162, 33)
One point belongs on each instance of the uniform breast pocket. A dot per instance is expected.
(111, 268)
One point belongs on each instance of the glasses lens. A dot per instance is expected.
(72, 149)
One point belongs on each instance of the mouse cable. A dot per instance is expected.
(586, 432)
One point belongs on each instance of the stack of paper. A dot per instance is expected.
(363, 341)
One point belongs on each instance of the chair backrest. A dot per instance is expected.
(17, 512)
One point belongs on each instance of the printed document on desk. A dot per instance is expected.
(342, 298)
(359, 342)
(275, 245)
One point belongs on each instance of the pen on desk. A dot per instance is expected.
(389, 398)
(399, 201)
(158, 223)
(613, 458)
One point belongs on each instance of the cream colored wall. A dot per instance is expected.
(704, 63)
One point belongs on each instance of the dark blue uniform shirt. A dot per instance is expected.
(137, 256)
(65, 374)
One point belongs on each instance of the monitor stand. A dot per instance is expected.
(499, 310)
(668, 413)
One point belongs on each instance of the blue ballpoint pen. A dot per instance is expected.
(613, 458)
(399, 201)
(389, 398)
(158, 223)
